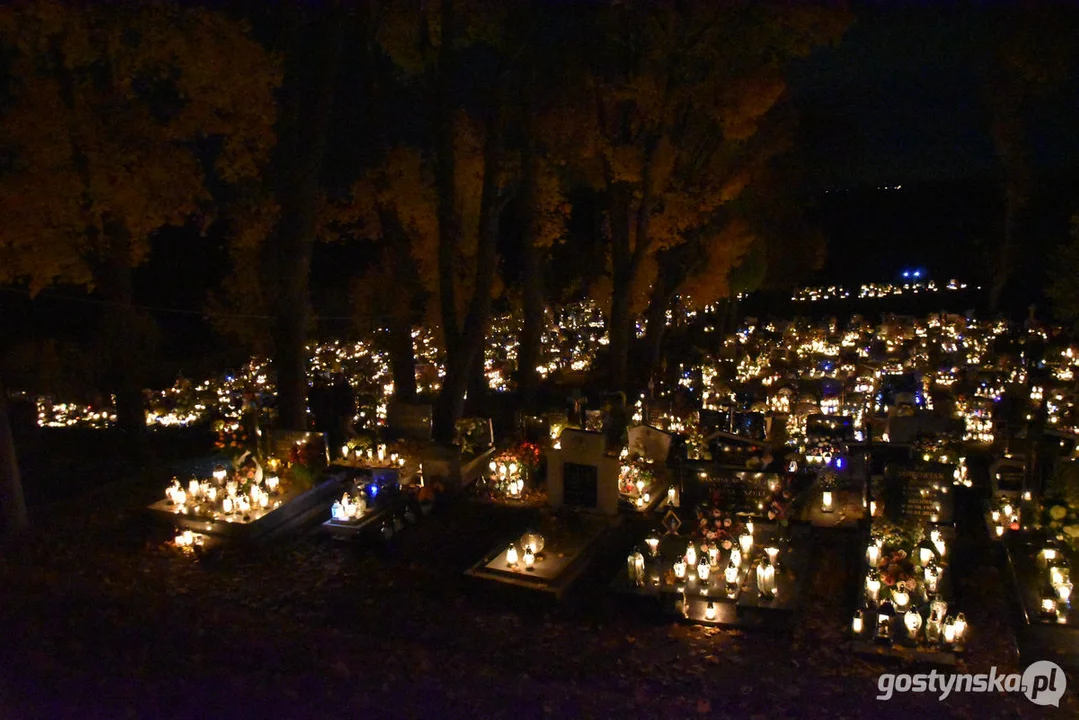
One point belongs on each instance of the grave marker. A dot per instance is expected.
(581, 475)
(411, 421)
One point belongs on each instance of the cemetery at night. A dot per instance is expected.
(589, 359)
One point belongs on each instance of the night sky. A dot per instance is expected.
(901, 100)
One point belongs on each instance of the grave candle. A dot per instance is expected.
(960, 627)
(938, 542)
(530, 558)
(634, 573)
(511, 555)
(691, 555)
(872, 586)
(999, 530)
(731, 574)
(745, 541)
(913, 621)
(884, 621)
(227, 506)
(932, 577)
(713, 555)
(337, 511)
(703, 569)
(772, 553)
(220, 474)
(925, 555)
(1064, 592)
(826, 501)
(1049, 606)
(872, 554)
(344, 452)
(858, 624)
(193, 488)
(995, 515)
(900, 596)
(766, 578)
(653, 544)
(381, 453)
(679, 568)
(272, 482)
(949, 631)
(710, 611)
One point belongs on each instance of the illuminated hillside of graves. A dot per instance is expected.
(783, 370)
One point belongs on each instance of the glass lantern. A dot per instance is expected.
(913, 621)
(872, 587)
(900, 596)
(766, 579)
(635, 566)
(730, 575)
(885, 616)
(691, 555)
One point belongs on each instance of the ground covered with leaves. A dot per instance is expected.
(103, 618)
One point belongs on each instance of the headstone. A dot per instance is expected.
(738, 491)
(650, 443)
(581, 475)
(918, 493)
(411, 421)
(905, 429)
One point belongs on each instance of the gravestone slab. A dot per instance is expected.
(733, 490)
(411, 421)
(581, 475)
(650, 443)
(920, 493)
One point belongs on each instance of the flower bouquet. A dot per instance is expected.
(233, 439)
(305, 461)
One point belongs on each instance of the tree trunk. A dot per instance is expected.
(620, 323)
(402, 358)
(445, 185)
(13, 518)
(532, 299)
(468, 349)
(477, 381)
(125, 333)
(1005, 260)
(307, 108)
(656, 329)
(528, 352)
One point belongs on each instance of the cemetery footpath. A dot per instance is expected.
(104, 619)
